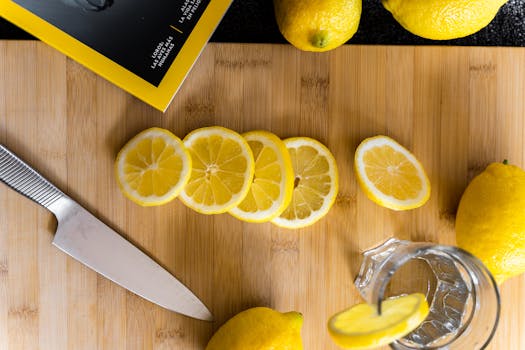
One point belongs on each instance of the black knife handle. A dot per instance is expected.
(16, 174)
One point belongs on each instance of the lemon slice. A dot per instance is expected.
(315, 185)
(390, 175)
(273, 180)
(222, 170)
(360, 327)
(153, 167)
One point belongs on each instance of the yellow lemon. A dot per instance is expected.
(259, 328)
(313, 25)
(273, 180)
(315, 186)
(153, 167)
(390, 175)
(490, 220)
(443, 19)
(360, 327)
(222, 170)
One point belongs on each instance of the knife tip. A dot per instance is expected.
(209, 317)
(201, 313)
(205, 315)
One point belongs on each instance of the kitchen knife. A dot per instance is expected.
(90, 241)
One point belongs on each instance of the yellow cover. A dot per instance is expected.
(199, 18)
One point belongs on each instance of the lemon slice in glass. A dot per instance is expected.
(361, 327)
(153, 167)
(315, 185)
(222, 171)
(273, 180)
(390, 175)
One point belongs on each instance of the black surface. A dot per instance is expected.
(252, 21)
(136, 34)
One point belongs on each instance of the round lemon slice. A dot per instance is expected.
(315, 185)
(273, 180)
(390, 175)
(153, 167)
(360, 327)
(222, 171)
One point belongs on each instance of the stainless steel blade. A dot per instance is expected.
(90, 241)
(87, 239)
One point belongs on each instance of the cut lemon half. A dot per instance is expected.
(361, 327)
(153, 167)
(222, 170)
(315, 185)
(273, 180)
(390, 175)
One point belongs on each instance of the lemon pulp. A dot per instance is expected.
(222, 170)
(272, 185)
(390, 175)
(315, 186)
(153, 167)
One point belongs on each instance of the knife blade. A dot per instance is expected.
(87, 239)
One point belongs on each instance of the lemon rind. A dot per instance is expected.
(382, 336)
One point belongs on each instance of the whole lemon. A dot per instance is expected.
(443, 19)
(259, 328)
(315, 25)
(490, 221)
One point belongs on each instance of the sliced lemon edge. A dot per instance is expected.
(273, 142)
(153, 200)
(369, 187)
(385, 335)
(296, 142)
(236, 198)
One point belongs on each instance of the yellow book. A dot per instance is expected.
(146, 47)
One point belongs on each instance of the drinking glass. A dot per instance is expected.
(462, 294)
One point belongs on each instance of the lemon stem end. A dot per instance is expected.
(320, 39)
(296, 318)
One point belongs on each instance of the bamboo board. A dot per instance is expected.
(456, 108)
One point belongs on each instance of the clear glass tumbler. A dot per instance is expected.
(464, 298)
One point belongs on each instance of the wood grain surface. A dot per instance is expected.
(456, 108)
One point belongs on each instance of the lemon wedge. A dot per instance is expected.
(315, 185)
(360, 327)
(273, 180)
(153, 167)
(222, 170)
(390, 175)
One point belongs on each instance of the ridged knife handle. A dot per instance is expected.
(25, 180)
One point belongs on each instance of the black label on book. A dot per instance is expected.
(143, 36)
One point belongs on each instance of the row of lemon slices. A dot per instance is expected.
(256, 176)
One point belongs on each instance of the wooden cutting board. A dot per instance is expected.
(456, 108)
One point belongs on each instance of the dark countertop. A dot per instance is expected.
(252, 21)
